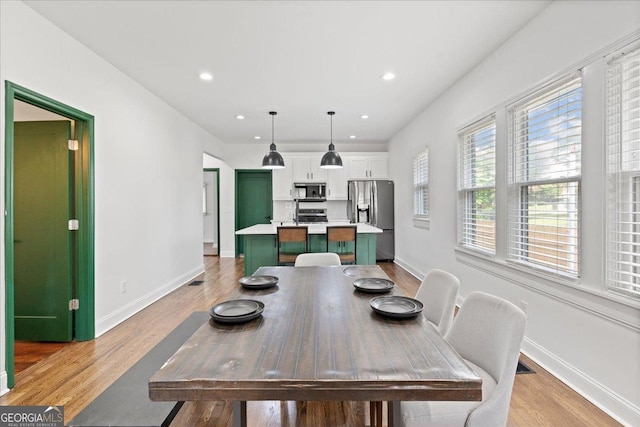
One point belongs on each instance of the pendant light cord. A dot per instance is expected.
(331, 128)
(331, 113)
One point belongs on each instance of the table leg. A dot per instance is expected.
(372, 413)
(393, 413)
(239, 413)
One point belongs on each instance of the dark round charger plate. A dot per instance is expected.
(351, 271)
(396, 306)
(258, 282)
(236, 311)
(373, 285)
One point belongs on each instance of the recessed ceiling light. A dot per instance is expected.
(256, 137)
(206, 76)
(240, 117)
(364, 116)
(352, 137)
(388, 76)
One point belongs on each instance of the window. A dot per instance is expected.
(477, 186)
(544, 179)
(421, 184)
(623, 174)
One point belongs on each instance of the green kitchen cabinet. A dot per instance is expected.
(260, 250)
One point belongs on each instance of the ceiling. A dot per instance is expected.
(299, 58)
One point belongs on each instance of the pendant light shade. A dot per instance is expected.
(331, 159)
(273, 159)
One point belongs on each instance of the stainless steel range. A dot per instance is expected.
(314, 215)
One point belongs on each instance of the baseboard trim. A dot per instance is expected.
(227, 254)
(3, 383)
(617, 407)
(415, 273)
(115, 318)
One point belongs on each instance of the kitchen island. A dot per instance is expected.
(260, 248)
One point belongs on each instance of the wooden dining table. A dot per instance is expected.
(317, 339)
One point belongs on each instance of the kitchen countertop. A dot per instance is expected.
(313, 228)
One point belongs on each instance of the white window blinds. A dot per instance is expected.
(421, 184)
(476, 186)
(544, 179)
(623, 174)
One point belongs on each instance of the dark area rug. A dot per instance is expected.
(126, 402)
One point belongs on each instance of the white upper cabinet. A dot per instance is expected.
(282, 181)
(307, 169)
(368, 167)
(379, 167)
(337, 182)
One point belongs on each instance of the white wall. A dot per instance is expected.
(249, 156)
(148, 167)
(587, 338)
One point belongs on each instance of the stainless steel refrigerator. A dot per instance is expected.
(371, 202)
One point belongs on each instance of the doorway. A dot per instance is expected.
(211, 211)
(69, 252)
(254, 203)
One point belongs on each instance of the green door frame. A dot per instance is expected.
(217, 171)
(84, 318)
(237, 199)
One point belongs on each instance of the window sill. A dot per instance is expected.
(422, 222)
(612, 307)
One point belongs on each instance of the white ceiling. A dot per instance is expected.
(299, 58)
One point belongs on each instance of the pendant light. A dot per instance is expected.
(273, 159)
(331, 159)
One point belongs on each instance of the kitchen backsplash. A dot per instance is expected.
(285, 210)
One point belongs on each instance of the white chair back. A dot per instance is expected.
(317, 259)
(488, 332)
(438, 293)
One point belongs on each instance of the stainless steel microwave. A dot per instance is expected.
(310, 191)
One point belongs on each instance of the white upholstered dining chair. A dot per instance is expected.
(317, 259)
(487, 332)
(438, 292)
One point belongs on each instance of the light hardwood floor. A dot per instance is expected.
(80, 371)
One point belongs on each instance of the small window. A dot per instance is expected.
(623, 174)
(477, 186)
(421, 185)
(544, 179)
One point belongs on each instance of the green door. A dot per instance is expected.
(254, 204)
(42, 241)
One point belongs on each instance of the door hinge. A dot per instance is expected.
(74, 304)
(73, 144)
(74, 224)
